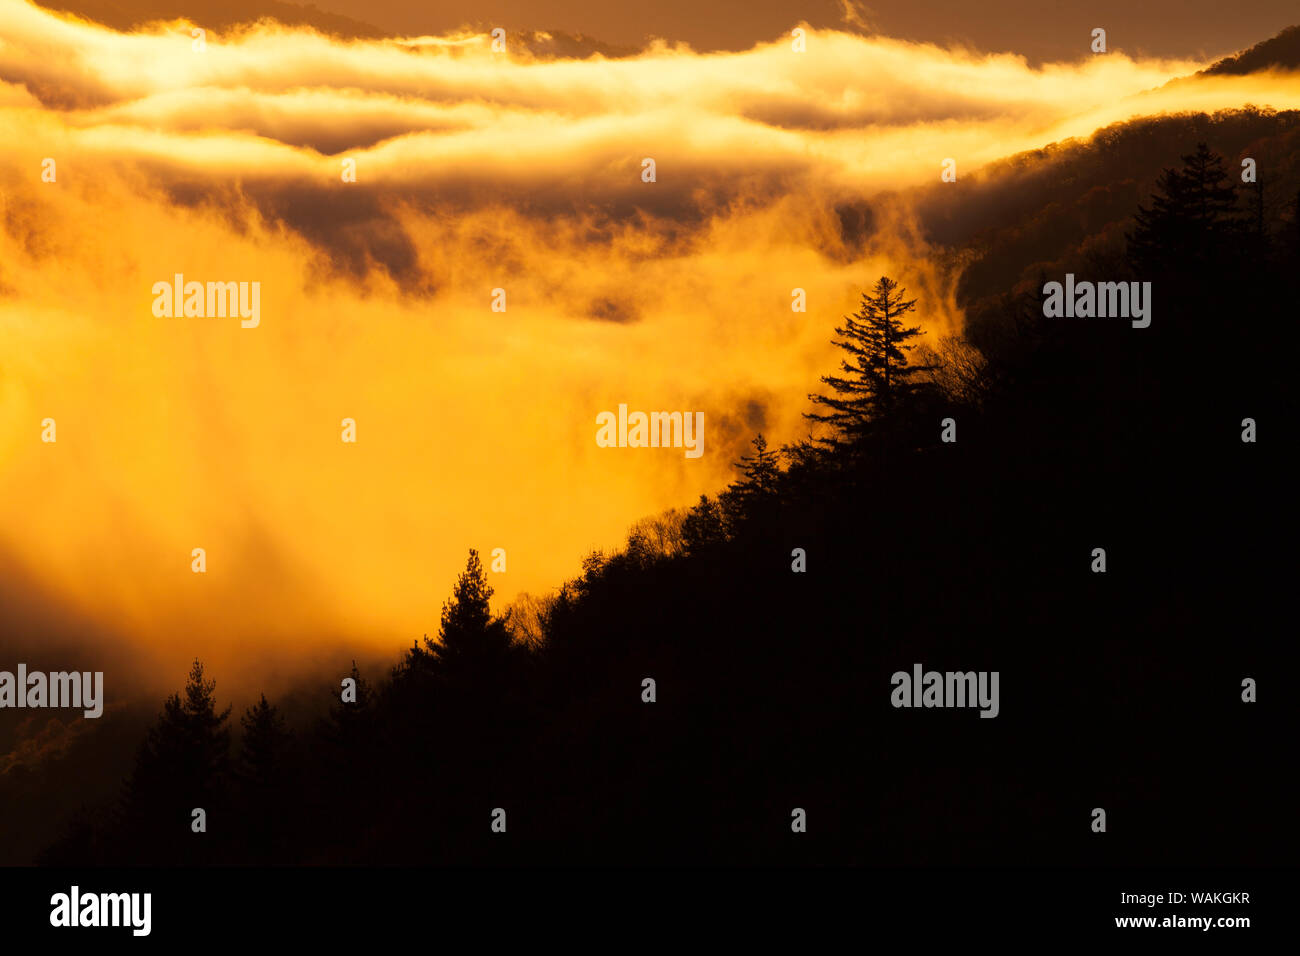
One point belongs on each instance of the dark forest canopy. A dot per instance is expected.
(1068, 206)
(1279, 52)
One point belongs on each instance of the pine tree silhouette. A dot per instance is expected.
(470, 637)
(879, 381)
(761, 471)
(263, 774)
(703, 526)
(1192, 220)
(183, 764)
(346, 763)
(263, 749)
(753, 495)
(349, 724)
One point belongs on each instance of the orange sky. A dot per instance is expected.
(475, 171)
(1041, 31)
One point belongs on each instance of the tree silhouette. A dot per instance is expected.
(1192, 220)
(703, 526)
(470, 637)
(348, 725)
(182, 764)
(754, 493)
(879, 381)
(263, 774)
(264, 747)
(761, 471)
(347, 758)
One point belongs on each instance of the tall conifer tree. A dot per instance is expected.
(878, 381)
